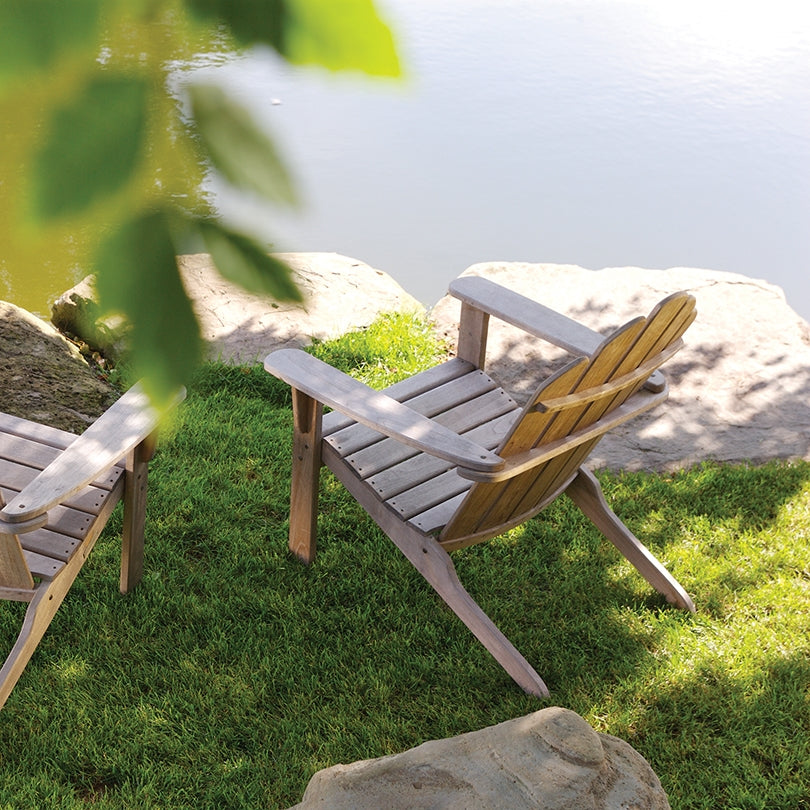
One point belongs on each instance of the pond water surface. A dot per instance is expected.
(592, 132)
(621, 132)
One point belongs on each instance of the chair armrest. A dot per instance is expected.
(377, 410)
(128, 422)
(534, 318)
(530, 316)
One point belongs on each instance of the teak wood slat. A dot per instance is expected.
(431, 493)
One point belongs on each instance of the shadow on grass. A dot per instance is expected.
(750, 729)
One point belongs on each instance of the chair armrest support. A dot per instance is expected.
(534, 318)
(376, 410)
(128, 422)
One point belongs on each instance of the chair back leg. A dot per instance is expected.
(586, 492)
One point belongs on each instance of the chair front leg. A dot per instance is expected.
(306, 467)
(135, 481)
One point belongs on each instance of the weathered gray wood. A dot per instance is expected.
(526, 314)
(72, 485)
(375, 409)
(14, 572)
(460, 420)
(132, 535)
(397, 477)
(306, 465)
(438, 400)
(43, 566)
(426, 494)
(16, 477)
(57, 578)
(44, 434)
(129, 421)
(473, 327)
(533, 317)
(408, 388)
(435, 565)
(51, 544)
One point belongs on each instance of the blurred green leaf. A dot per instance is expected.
(137, 276)
(93, 146)
(243, 261)
(34, 35)
(249, 21)
(337, 34)
(340, 35)
(239, 150)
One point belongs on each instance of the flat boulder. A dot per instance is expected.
(550, 760)
(341, 294)
(44, 377)
(739, 390)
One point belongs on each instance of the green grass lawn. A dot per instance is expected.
(234, 672)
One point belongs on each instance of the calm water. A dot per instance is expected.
(622, 132)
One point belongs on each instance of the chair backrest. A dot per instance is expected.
(565, 418)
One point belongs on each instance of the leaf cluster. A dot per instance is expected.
(101, 72)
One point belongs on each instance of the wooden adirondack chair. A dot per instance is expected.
(57, 492)
(447, 458)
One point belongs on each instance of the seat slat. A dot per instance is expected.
(482, 497)
(461, 419)
(407, 389)
(15, 477)
(50, 544)
(436, 517)
(41, 566)
(15, 450)
(36, 454)
(429, 493)
(44, 434)
(399, 477)
(355, 437)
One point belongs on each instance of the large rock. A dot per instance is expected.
(341, 294)
(76, 313)
(551, 759)
(43, 377)
(739, 391)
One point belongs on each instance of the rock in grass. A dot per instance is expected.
(551, 759)
(341, 294)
